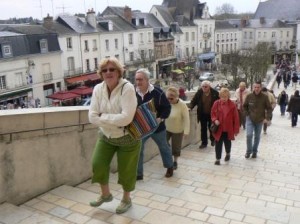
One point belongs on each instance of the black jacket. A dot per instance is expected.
(294, 105)
(197, 101)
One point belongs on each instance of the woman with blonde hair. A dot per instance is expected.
(224, 114)
(178, 122)
(113, 106)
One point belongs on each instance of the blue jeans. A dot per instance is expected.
(282, 109)
(250, 128)
(164, 149)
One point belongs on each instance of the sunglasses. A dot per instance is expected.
(108, 70)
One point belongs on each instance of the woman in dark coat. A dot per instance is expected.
(224, 114)
(282, 101)
(294, 107)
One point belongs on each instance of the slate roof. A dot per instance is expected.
(119, 23)
(279, 9)
(255, 23)
(223, 24)
(25, 39)
(164, 12)
(77, 24)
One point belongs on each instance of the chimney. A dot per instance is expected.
(48, 22)
(91, 17)
(243, 23)
(128, 14)
(262, 20)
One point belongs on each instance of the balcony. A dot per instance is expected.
(72, 72)
(48, 77)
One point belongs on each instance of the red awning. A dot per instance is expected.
(82, 90)
(82, 78)
(63, 95)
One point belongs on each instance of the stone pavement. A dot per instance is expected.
(265, 190)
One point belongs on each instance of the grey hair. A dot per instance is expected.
(144, 71)
(206, 82)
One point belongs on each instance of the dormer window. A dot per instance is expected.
(6, 51)
(44, 46)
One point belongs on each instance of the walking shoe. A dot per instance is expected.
(175, 165)
(247, 155)
(217, 163)
(123, 206)
(254, 155)
(139, 177)
(101, 200)
(169, 172)
(202, 146)
(227, 157)
(212, 143)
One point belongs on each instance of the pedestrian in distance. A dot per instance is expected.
(294, 108)
(113, 106)
(278, 79)
(178, 123)
(144, 93)
(258, 111)
(224, 114)
(204, 100)
(240, 95)
(282, 101)
(295, 80)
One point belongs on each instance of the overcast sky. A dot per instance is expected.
(40, 8)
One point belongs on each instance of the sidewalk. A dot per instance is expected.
(265, 190)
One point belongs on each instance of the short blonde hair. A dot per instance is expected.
(242, 84)
(115, 62)
(174, 91)
(224, 92)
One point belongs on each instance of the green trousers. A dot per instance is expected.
(127, 161)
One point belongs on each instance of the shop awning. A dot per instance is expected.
(82, 90)
(14, 94)
(177, 71)
(63, 95)
(82, 78)
(207, 56)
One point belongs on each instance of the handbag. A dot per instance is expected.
(144, 122)
(214, 128)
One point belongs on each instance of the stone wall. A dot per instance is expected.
(43, 148)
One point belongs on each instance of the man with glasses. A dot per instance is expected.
(146, 92)
(204, 99)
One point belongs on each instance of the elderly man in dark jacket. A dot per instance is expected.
(204, 99)
(258, 111)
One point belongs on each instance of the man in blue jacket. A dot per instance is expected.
(145, 92)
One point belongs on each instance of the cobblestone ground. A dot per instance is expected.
(264, 190)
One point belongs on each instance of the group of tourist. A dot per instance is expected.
(113, 106)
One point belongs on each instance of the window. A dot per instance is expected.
(141, 38)
(19, 79)
(250, 35)
(200, 31)
(235, 46)
(71, 64)
(193, 51)
(200, 45)
(87, 63)
(170, 49)
(94, 45)
(143, 56)
(280, 45)
(69, 43)
(86, 45)
(218, 48)
(117, 56)
(96, 63)
(205, 28)
(116, 44)
(150, 52)
(186, 36)
(287, 33)
(149, 37)
(193, 36)
(130, 38)
(259, 34)
(131, 56)
(2, 82)
(6, 50)
(187, 52)
(265, 34)
(218, 36)
(245, 35)
(281, 34)
(107, 45)
(44, 46)
(273, 34)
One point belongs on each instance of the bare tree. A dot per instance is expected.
(226, 8)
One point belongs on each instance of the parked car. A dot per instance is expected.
(207, 76)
